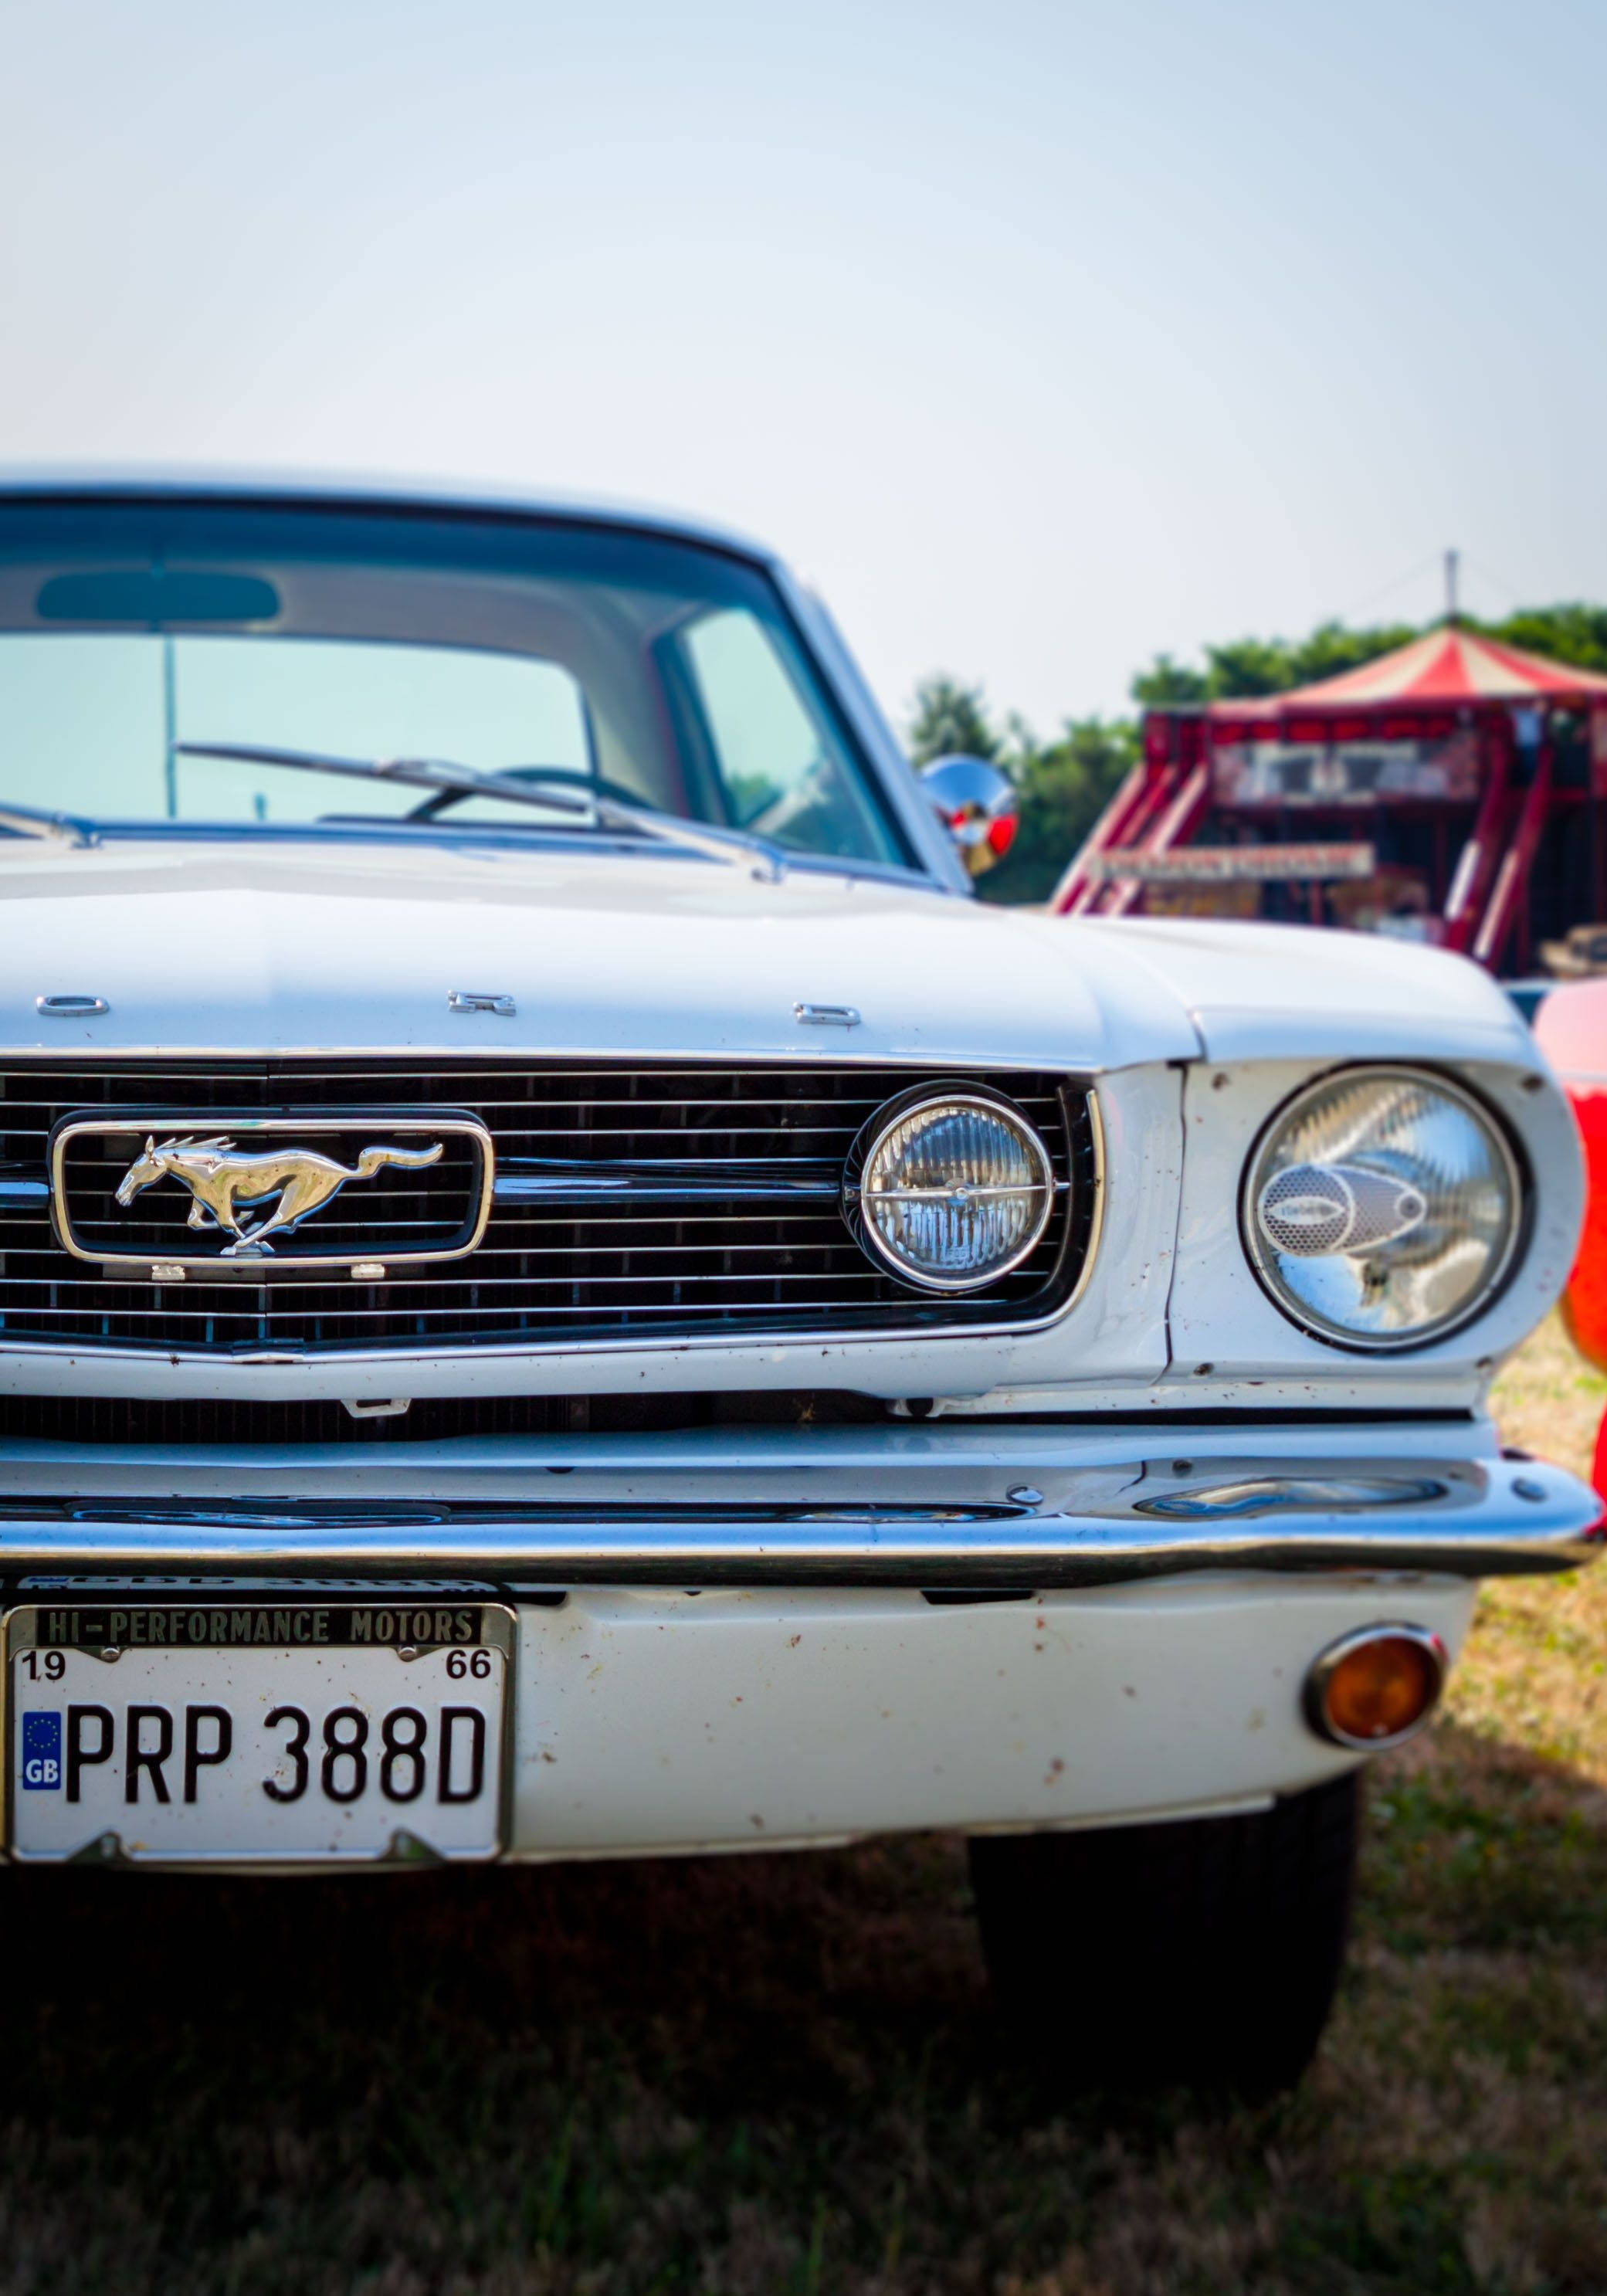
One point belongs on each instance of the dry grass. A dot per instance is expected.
(1535, 1674)
(778, 2077)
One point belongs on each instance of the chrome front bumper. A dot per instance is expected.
(707, 1525)
(740, 1638)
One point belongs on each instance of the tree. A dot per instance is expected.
(1576, 634)
(1333, 649)
(1168, 685)
(1242, 668)
(951, 720)
(1063, 787)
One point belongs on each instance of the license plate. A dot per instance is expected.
(257, 1732)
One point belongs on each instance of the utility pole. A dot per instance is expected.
(1451, 558)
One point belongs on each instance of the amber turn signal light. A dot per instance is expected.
(1372, 1690)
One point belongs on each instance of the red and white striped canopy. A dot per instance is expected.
(1448, 665)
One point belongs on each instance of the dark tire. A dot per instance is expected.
(1204, 1952)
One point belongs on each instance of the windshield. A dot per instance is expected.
(652, 671)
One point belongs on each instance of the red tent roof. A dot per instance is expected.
(1448, 666)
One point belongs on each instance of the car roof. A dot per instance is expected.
(325, 489)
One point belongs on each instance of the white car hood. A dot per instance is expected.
(284, 946)
(1291, 992)
(240, 947)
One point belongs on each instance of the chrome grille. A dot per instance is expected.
(679, 1256)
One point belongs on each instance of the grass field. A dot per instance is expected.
(776, 2077)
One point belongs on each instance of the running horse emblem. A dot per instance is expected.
(225, 1181)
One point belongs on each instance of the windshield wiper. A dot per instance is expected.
(55, 828)
(731, 846)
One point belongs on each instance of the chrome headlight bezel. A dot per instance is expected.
(862, 1160)
(1507, 1153)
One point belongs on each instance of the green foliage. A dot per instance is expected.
(951, 720)
(1168, 684)
(1245, 666)
(1064, 786)
(1576, 634)
(1242, 668)
(1332, 649)
(1248, 666)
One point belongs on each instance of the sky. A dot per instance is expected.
(1040, 337)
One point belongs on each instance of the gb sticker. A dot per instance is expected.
(41, 1752)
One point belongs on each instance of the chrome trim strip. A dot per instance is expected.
(566, 1180)
(1052, 1062)
(1476, 1526)
(766, 1337)
(1096, 1208)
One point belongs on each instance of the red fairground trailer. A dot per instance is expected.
(1571, 1026)
(1454, 790)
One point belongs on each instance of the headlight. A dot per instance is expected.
(1382, 1208)
(951, 1189)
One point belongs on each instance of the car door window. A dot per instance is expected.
(779, 764)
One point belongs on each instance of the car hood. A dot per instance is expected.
(1282, 992)
(287, 945)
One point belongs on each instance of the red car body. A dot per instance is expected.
(1571, 1026)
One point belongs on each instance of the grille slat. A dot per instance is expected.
(115, 1419)
(603, 1269)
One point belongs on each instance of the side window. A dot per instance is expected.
(782, 769)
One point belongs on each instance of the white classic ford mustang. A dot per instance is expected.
(565, 1293)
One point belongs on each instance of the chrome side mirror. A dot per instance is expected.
(977, 805)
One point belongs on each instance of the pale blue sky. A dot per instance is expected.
(1041, 336)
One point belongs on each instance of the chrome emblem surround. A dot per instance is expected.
(237, 1168)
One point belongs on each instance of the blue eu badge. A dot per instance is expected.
(41, 1751)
